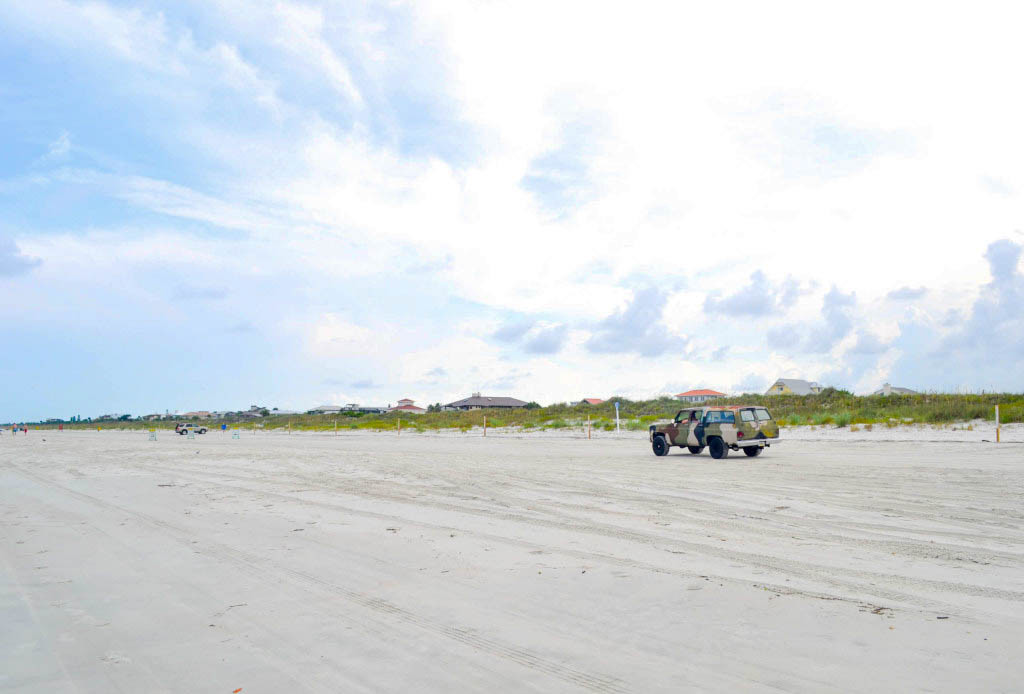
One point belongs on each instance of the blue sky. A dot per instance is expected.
(206, 205)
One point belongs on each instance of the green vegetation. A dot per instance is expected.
(831, 407)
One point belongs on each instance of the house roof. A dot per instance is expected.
(324, 408)
(798, 386)
(409, 408)
(887, 388)
(485, 401)
(593, 401)
(704, 391)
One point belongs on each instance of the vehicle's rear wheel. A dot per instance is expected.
(660, 445)
(718, 448)
(753, 451)
(695, 450)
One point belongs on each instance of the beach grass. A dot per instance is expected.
(829, 408)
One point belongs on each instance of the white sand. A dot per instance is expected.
(373, 563)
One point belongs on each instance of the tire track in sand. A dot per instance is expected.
(258, 565)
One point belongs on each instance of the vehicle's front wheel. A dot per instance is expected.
(660, 445)
(202, 431)
(753, 451)
(718, 448)
(695, 450)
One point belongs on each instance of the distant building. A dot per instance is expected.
(152, 417)
(477, 402)
(590, 401)
(253, 411)
(794, 386)
(888, 389)
(699, 395)
(406, 405)
(363, 409)
(326, 409)
(201, 414)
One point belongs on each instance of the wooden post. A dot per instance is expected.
(399, 427)
(485, 425)
(588, 427)
(997, 423)
(335, 427)
(289, 426)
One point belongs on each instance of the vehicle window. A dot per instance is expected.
(693, 416)
(681, 415)
(747, 415)
(762, 414)
(728, 417)
(713, 416)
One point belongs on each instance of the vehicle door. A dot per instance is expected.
(747, 423)
(675, 431)
(768, 426)
(683, 427)
(697, 422)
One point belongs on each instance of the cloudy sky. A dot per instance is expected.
(220, 203)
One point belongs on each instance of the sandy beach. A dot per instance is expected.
(379, 563)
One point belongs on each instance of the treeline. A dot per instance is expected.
(830, 407)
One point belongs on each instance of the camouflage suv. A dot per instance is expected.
(721, 429)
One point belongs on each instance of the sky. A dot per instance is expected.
(209, 205)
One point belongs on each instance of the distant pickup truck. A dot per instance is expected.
(721, 429)
(185, 428)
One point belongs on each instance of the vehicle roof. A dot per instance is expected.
(735, 407)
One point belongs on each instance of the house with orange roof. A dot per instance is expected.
(406, 405)
(702, 395)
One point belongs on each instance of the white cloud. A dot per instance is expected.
(60, 147)
(13, 261)
(335, 337)
(301, 32)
